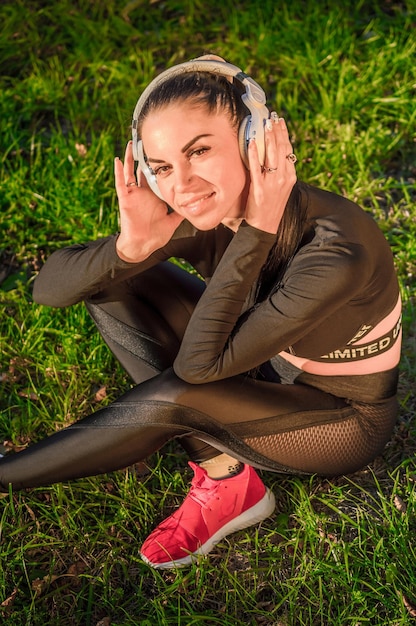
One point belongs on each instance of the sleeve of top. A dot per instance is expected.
(221, 342)
(77, 272)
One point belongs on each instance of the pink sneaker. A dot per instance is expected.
(212, 510)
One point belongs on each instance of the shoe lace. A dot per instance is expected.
(201, 493)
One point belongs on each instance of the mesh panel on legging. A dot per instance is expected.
(340, 447)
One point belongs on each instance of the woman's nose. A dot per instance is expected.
(183, 177)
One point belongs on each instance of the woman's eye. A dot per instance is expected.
(160, 171)
(164, 170)
(198, 151)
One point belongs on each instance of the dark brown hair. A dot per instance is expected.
(215, 92)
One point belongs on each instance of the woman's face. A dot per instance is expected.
(196, 158)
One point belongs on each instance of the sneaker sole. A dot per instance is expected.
(254, 515)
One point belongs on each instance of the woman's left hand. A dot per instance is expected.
(271, 184)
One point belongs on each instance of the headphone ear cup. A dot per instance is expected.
(243, 139)
(149, 174)
(252, 127)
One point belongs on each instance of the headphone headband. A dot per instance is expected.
(221, 68)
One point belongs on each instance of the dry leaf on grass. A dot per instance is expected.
(9, 601)
(39, 585)
(101, 394)
(30, 395)
(410, 606)
(400, 504)
(11, 447)
(81, 149)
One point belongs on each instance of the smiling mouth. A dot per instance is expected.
(196, 202)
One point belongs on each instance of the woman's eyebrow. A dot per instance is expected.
(190, 143)
(184, 149)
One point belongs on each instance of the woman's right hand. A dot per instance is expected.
(145, 224)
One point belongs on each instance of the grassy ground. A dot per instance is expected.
(335, 553)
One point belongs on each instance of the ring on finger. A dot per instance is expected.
(132, 184)
(292, 158)
(269, 170)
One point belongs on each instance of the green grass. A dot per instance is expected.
(336, 552)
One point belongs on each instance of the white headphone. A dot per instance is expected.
(252, 127)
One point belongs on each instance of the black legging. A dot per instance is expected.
(281, 427)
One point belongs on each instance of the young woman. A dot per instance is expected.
(284, 357)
